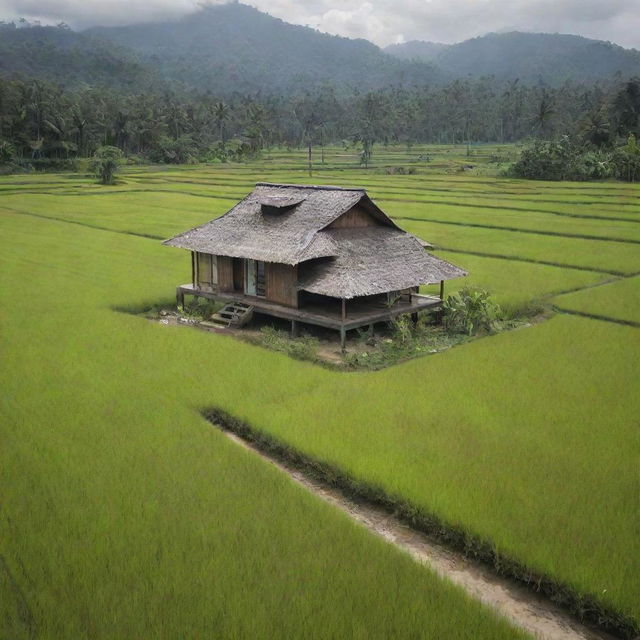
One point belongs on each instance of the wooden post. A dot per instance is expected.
(180, 298)
(441, 289)
(193, 268)
(343, 338)
(344, 309)
(294, 329)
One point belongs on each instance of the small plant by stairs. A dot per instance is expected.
(235, 314)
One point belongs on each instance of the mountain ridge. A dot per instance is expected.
(552, 58)
(235, 48)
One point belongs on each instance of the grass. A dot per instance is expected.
(124, 514)
(593, 255)
(518, 287)
(618, 300)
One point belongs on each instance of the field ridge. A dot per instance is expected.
(585, 607)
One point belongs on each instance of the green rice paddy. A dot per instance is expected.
(124, 514)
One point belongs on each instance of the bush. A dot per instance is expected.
(7, 152)
(626, 160)
(181, 151)
(303, 348)
(563, 160)
(470, 311)
(105, 163)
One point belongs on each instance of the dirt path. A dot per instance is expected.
(523, 608)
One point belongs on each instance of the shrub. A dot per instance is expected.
(105, 163)
(183, 150)
(626, 160)
(7, 152)
(469, 311)
(303, 348)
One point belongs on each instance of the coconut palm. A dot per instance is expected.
(221, 114)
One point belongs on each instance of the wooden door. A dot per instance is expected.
(255, 284)
(250, 277)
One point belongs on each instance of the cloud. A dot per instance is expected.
(85, 13)
(381, 21)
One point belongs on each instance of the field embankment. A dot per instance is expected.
(116, 485)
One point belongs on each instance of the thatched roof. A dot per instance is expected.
(373, 260)
(289, 224)
(250, 230)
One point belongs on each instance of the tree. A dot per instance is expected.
(221, 113)
(595, 128)
(105, 163)
(626, 108)
(627, 160)
(543, 114)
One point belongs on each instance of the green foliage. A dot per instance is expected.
(564, 160)
(404, 340)
(198, 309)
(105, 163)
(304, 347)
(626, 160)
(7, 152)
(548, 160)
(470, 311)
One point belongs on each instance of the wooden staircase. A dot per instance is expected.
(235, 314)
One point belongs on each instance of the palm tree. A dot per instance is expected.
(544, 113)
(595, 128)
(221, 113)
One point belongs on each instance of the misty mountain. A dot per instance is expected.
(417, 50)
(235, 47)
(531, 57)
(70, 59)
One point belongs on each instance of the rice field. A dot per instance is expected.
(618, 301)
(126, 515)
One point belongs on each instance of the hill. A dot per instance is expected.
(70, 59)
(234, 47)
(531, 57)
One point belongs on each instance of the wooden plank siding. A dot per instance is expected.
(207, 269)
(238, 274)
(355, 218)
(225, 273)
(281, 281)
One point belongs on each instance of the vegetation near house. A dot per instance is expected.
(470, 310)
(321, 255)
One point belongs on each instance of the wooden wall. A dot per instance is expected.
(281, 281)
(207, 269)
(355, 218)
(238, 274)
(225, 273)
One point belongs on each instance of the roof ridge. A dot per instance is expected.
(320, 187)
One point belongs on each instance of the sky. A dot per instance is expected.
(380, 21)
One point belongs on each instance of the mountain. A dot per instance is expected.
(531, 57)
(417, 50)
(70, 59)
(235, 47)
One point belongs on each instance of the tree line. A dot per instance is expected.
(43, 124)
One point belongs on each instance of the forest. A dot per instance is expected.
(44, 125)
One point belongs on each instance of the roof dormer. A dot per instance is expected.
(276, 204)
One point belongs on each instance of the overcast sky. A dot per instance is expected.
(381, 21)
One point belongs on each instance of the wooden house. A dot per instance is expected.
(326, 256)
